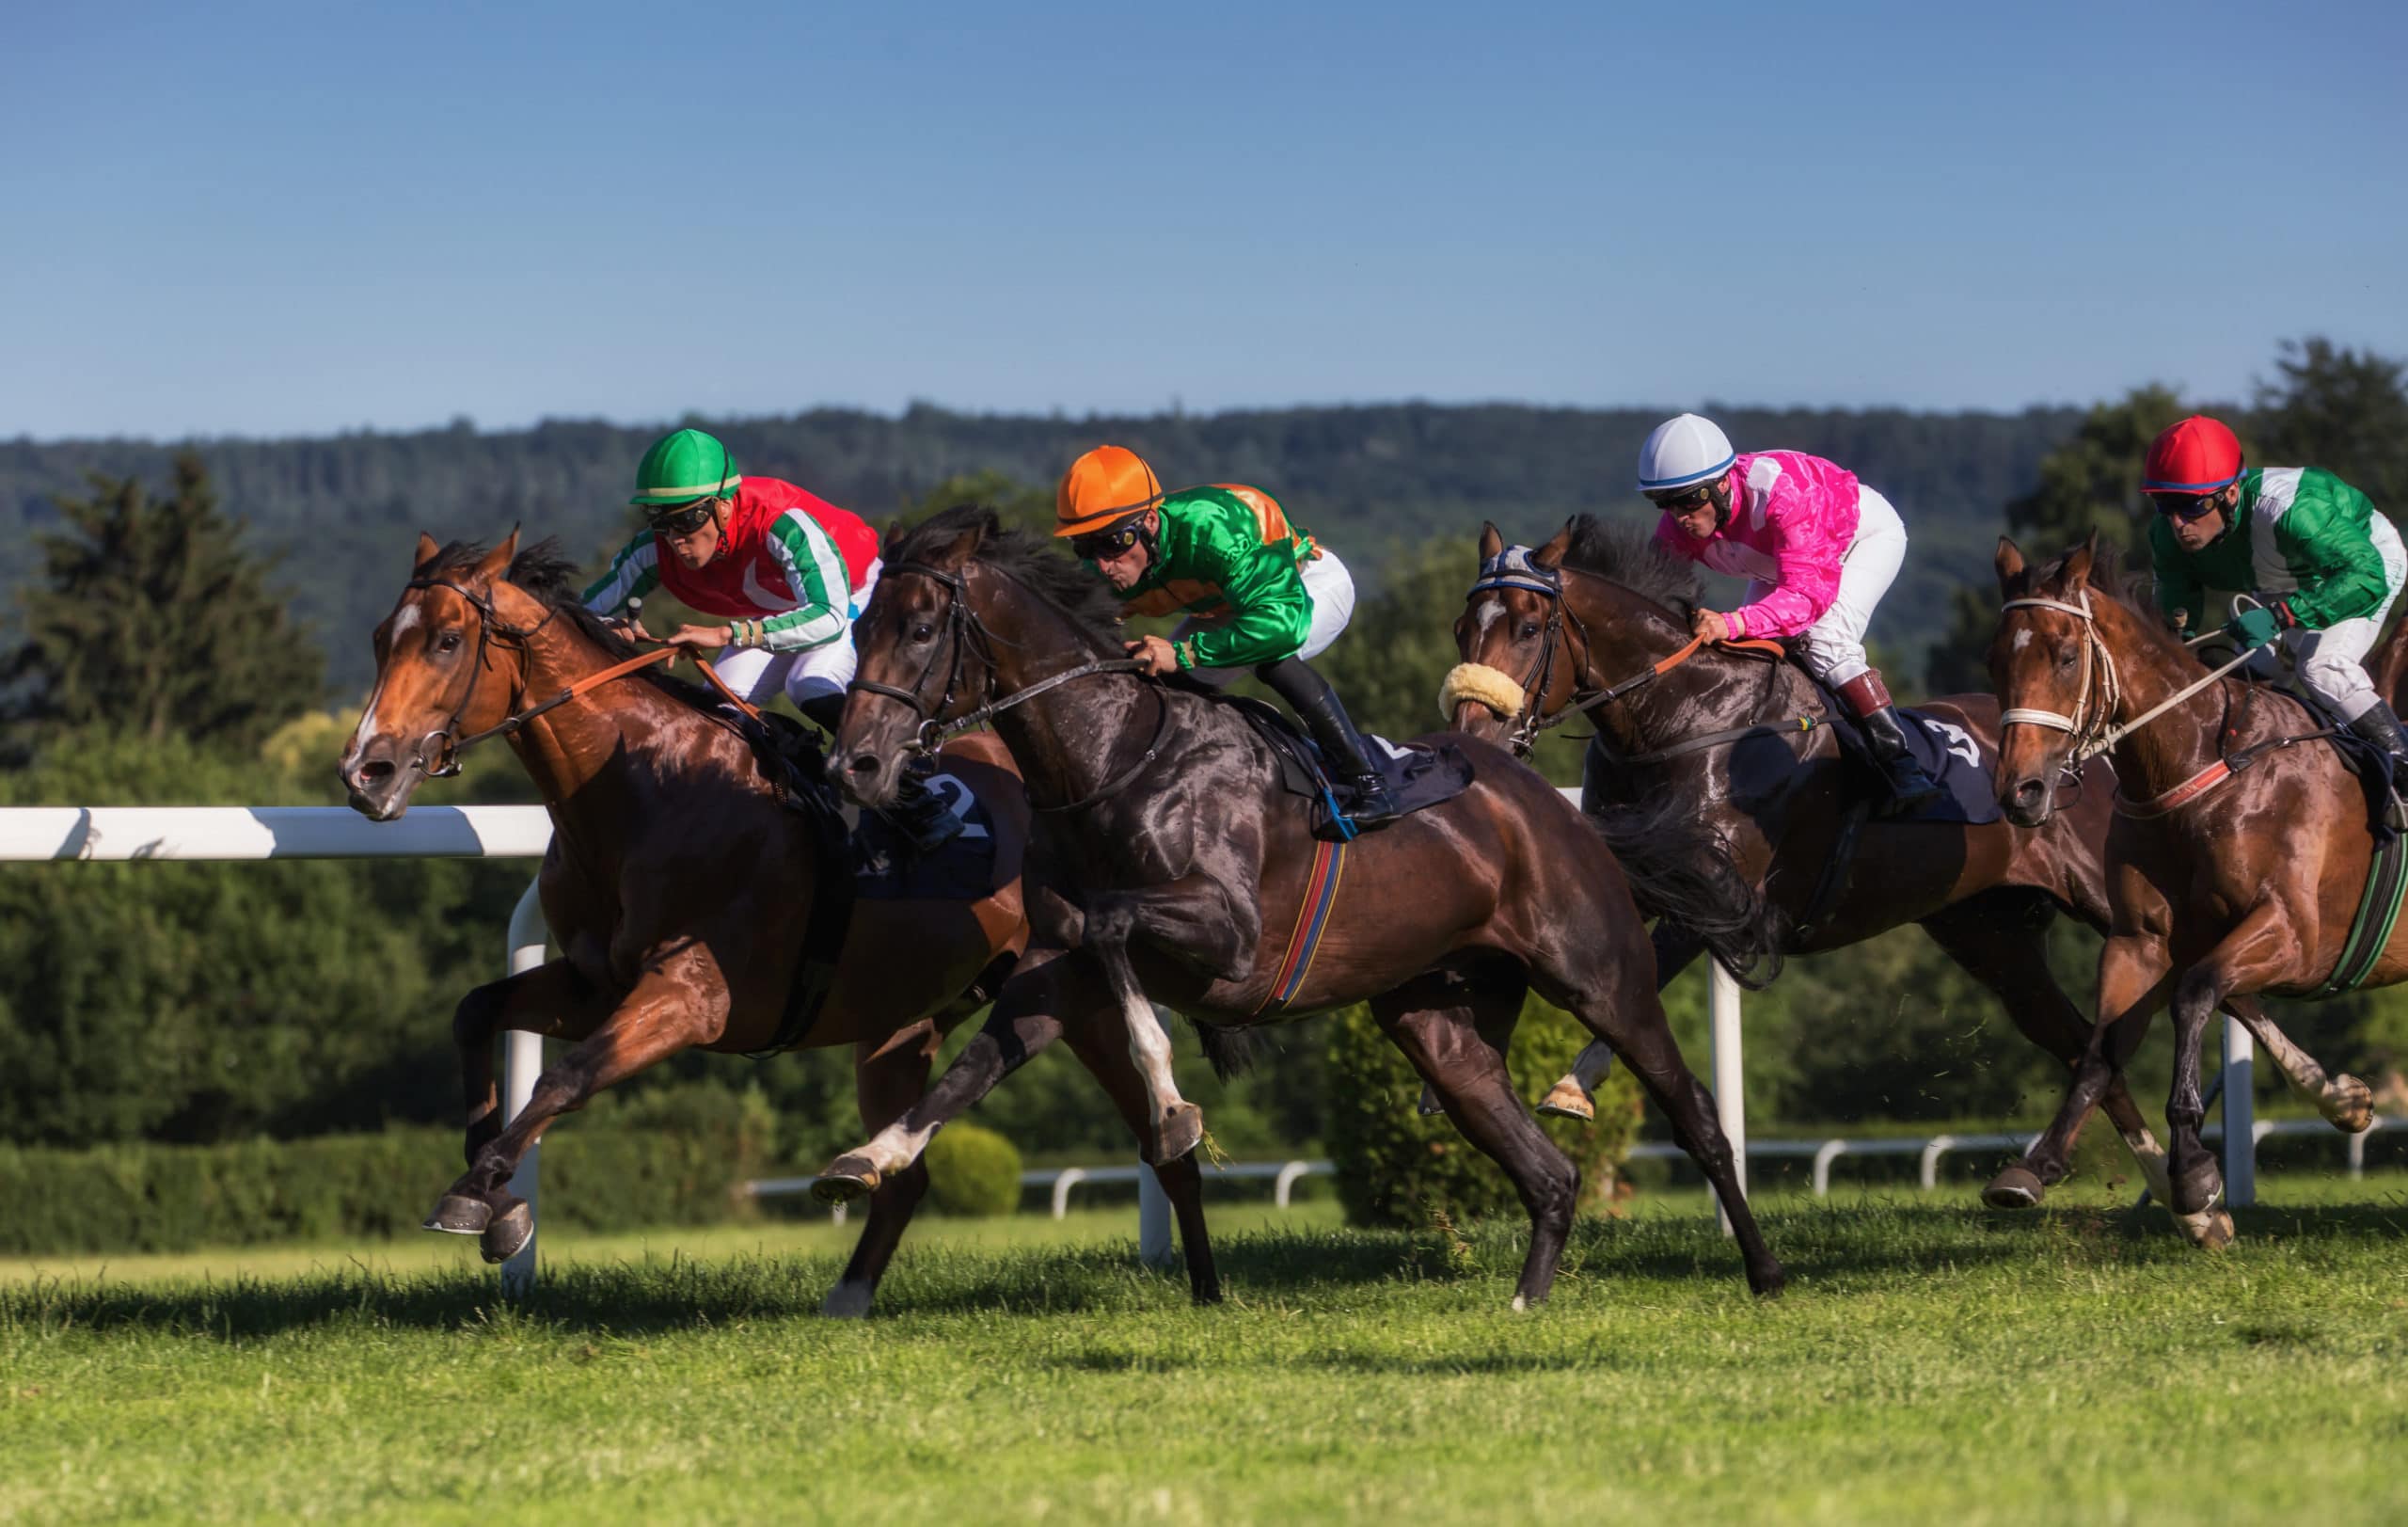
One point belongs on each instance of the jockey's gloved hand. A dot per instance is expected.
(2254, 627)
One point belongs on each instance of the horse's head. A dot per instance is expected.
(922, 658)
(2047, 670)
(439, 674)
(1519, 666)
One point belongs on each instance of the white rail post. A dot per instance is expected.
(1730, 1075)
(1153, 1204)
(2240, 1139)
(522, 1062)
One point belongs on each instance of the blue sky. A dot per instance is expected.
(264, 220)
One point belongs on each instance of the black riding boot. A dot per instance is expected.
(918, 813)
(2378, 725)
(1910, 788)
(1347, 756)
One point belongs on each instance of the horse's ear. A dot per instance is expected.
(2078, 562)
(959, 549)
(427, 549)
(2010, 568)
(1551, 554)
(1491, 542)
(496, 563)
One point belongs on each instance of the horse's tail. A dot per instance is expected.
(1229, 1050)
(1683, 871)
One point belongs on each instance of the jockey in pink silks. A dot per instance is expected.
(1819, 549)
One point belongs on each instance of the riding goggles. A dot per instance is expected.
(685, 519)
(1681, 500)
(2186, 506)
(1109, 542)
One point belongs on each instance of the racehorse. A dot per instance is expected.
(680, 881)
(1735, 734)
(1169, 864)
(2237, 858)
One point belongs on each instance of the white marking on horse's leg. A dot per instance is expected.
(1149, 1047)
(898, 1146)
(1520, 1304)
(2150, 1157)
(2343, 1101)
(848, 1300)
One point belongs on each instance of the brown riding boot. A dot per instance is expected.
(1910, 788)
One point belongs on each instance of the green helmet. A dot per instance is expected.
(681, 467)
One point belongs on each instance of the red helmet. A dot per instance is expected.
(2195, 455)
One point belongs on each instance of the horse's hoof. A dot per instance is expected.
(848, 1300)
(847, 1178)
(1767, 1283)
(1566, 1101)
(456, 1214)
(2017, 1187)
(2210, 1230)
(1179, 1130)
(2352, 1111)
(509, 1233)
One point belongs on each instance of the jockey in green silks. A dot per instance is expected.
(1257, 592)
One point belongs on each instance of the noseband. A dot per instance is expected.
(442, 759)
(2092, 727)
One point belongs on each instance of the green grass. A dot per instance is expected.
(1931, 1361)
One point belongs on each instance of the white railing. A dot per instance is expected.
(131, 833)
(1284, 1175)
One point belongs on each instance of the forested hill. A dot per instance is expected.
(345, 510)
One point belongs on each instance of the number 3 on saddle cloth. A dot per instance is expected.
(1965, 767)
(1417, 778)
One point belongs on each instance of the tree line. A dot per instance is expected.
(157, 655)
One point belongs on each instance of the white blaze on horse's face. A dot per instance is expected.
(1490, 609)
(2023, 639)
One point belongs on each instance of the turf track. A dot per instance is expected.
(1931, 1362)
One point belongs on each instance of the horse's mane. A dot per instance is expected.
(1627, 552)
(549, 574)
(1028, 559)
(2134, 589)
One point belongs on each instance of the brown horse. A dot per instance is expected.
(1170, 864)
(679, 881)
(2236, 859)
(1735, 736)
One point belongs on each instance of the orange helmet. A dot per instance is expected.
(1109, 482)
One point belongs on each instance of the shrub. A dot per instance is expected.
(1397, 1168)
(974, 1171)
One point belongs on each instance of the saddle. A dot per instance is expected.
(1417, 778)
(1961, 763)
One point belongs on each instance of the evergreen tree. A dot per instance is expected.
(151, 619)
(2343, 410)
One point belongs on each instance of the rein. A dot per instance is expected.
(449, 744)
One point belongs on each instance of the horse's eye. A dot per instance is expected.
(448, 641)
(2064, 660)
(923, 632)
(1530, 629)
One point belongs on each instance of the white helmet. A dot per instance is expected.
(1683, 450)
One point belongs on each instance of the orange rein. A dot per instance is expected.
(600, 677)
(1743, 643)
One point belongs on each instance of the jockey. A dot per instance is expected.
(1820, 550)
(788, 570)
(1256, 591)
(2323, 566)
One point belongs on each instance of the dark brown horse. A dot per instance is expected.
(1170, 865)
(1735, 736)
(678, 883)
(2236, 859)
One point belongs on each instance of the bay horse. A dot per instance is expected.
(678, 884)
(1735, 736)
(2236, 858)
(1168, 864)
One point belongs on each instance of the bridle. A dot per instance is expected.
(2092, 727)
(964, 630)
(442, 759)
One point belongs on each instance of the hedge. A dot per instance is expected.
(666, 1157)
(1398, 1167)
(973, 1171)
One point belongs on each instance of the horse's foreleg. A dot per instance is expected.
(1024, 1020)
(669, 1009)
(1188, 915)
(1093, 1030)
(1576, 1096)
(888, 1077)
(1438, 1022)
(2346, 1103)
(554, 999)
(2258, 945)
(1999, 944)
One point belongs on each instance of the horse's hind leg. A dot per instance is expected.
(2000, 940)
(1574, 1095)
(2346, 1103)
(2242, 957)
(555, 1000)
(1436, 1020)
(888, 1077)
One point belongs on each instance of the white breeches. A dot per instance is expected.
(1832, 649)
(760, 675)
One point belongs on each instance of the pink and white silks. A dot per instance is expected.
(1819, 547)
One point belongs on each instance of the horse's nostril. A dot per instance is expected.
(863, 764)
(370, 775)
